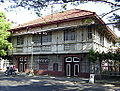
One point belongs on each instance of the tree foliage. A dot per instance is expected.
(4, 35)
(37, 5)
(116, 18)
(94, 56)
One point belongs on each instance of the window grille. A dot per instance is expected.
(41, 63)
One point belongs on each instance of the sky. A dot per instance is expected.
(20, 15)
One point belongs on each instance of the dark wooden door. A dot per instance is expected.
(72, 67)
(22, 64)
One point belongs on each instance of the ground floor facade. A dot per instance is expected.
(72, 65)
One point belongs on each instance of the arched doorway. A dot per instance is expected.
(72, 66)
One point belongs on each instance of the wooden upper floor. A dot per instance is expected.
(75, 33)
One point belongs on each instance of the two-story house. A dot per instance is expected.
(58, 44)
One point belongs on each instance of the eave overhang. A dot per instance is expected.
(31, 26)
(49, 23)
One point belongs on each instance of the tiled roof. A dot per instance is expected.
(61, 16)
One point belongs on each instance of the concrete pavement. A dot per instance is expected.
(49, 83)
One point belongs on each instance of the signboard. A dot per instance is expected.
(92, 78)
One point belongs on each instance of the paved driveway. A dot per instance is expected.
(47, 83)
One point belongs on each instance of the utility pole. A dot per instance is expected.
(32, 43)
(31, 71)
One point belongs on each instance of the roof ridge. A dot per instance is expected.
(72, 13)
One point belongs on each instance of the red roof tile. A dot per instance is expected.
(61, 16)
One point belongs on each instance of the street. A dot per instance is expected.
(49, 83)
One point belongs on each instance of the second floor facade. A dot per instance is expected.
(76, 36)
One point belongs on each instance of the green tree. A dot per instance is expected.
(5, 45)
(92, 56)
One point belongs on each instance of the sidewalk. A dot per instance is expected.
(84, 81)
(76, 80)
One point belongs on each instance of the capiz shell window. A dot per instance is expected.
(39, 38)
(36, 38)
(89, 28)
(69, 35)
(47, 37)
